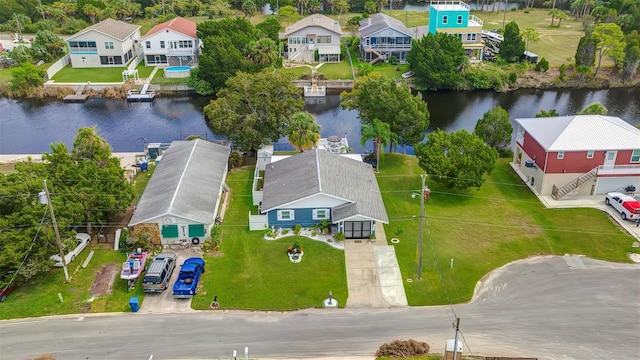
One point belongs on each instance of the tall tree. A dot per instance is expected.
(494, 128)
(545, 113)
(594, 108)
(378, 97)
(554, 13)
(530, 34)
(270, 28)
(513, 46)
(47, 46)
(458, 160)
(253, 110)
(631, 60)
(381, 135)
(437, 61)
(303, 132)
(609, 42)
(586, 51)
(249, 8)
(262, 52)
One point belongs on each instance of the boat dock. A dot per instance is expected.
(143, 96)
(77, 97)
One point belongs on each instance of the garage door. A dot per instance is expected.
(357, 229)
(196, 230)
(608, 184)
(169, 231)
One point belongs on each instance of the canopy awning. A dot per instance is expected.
(326, 50)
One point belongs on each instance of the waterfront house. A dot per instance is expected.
(319, 185)
(382, 37)
(580, 155)
(453, 17)
(315, 38)
(172, 43)
(107, 43)
(183, 196)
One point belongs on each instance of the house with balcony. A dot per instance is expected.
(453, 17)
(107, 43)
(172, 43)
(320, 185)
(580, 155)
(315, 38)
(383, 37)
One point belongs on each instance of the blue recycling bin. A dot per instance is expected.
(134, 304)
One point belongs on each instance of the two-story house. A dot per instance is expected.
(452, 17)
(315, 38)
(581, 155)
(107, 43)
(172, 43)
(382, 37)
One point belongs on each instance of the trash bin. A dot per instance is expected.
(133, 303)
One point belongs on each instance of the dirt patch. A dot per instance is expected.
(103, 283)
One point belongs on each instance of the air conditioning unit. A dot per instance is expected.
(529, 164)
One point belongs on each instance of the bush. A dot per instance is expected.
(543, 65)
(505, 153)
(339, 236)
(513, 77)
(297, 229)
(563, 70)
(403, 349)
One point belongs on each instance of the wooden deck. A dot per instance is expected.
(75, 98)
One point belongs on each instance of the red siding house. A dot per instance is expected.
(581, 155)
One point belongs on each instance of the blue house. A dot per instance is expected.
(382, 37)
(318, 185)
(453, 17)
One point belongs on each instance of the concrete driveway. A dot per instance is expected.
(164, 302)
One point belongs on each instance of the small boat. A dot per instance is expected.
(408, 75)
(134, 266)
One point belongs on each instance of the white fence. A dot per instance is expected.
(134, 63)
(58, 65)
(257, 222)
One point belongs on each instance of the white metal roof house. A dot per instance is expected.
(581, 155)
(314, 34)
(183, 195)
(172, 43)
(107, 43)
(318, 185)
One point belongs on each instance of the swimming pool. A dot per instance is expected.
(177, 72)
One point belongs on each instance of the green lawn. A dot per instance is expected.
(144, 71)
(5, 76)
(254, 273)
(96, 75)
(297, 71)
(482, 230)
(337, 71)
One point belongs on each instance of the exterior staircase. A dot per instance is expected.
(558, 193)
(379, 56)
(298, 52)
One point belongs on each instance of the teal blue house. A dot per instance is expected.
(317, 186)
(453, 17)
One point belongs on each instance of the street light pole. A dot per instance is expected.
(423, 177)
(55, 228)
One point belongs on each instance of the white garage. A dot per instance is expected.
(609, 184)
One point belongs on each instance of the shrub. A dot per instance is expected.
(339, 236)
(403, 349)
(297, 229)
(563, 70)
(513, 77)
(543, 65)
(505, 153)
(235, 159)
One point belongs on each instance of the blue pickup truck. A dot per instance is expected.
(187, 282)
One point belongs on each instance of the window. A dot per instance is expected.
(82, 46)
(162, 44)
(147, 44)
(520, 136)
(108, 45)
(590, 154)
(560, 155)
(445, 19)
(286, 215)
(321, 214)
(325, 39)
(459, 19)
(471, 37)
(635, 156)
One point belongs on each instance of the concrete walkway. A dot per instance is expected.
(373, 274)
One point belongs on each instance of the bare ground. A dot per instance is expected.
(103, 282)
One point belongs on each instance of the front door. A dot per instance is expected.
(610, 158)
(357, 229)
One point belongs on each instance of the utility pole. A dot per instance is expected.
(55, 228)
(455, 342)
(504, 17)
(423, 177)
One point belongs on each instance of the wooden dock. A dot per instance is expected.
(69, 99)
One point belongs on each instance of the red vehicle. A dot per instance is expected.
(4, 292)
(627, 206)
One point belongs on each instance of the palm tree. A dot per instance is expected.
(303, 131)
(561, 16)
(263, 52)
(594, 108)
(381, 134)
(553, 13)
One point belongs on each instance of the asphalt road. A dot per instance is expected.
(550, 308)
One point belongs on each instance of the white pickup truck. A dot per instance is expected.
(627, 206)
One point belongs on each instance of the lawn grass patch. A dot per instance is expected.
(144, 71)
(254, 273)
(482, 230)
(337, 71)
(69, 74)
(159, 78)
(298, 72)
(5, 76)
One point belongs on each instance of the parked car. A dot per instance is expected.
(69, 256)
(188, 278)
(4, 292)
(159, 273)
(627, 206)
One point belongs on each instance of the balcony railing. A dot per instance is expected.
(449, 5)
(475, 21)
(618, 170)
(181, 52)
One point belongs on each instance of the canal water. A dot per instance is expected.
(30, 126)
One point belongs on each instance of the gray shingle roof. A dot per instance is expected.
(186, 183)
(380, 22)
(114, 28)
(320, 172)
(582, 132)
(315, 20)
